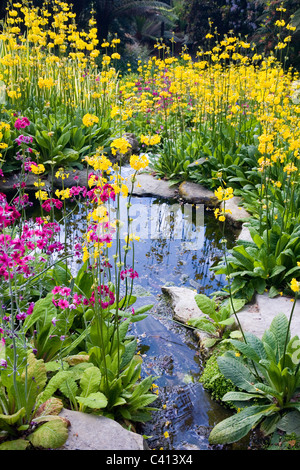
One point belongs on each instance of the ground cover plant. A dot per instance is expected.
(227, 118)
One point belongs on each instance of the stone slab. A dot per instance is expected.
(197, 194)
(255, 317)
(237, 213)
(147, 185)
(182, 302)
(92, 432)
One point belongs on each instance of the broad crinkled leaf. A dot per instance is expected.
(237, 426)
(50, 435)
(53, 406)
(237, 372)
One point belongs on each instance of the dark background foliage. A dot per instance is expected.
(142, 22)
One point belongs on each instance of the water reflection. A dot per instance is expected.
(178, 245)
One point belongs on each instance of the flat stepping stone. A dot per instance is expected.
(147, 185)
(238, 214)
(92, 432)
(255, 317)
(196, 194)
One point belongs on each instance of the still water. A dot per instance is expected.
(178, 244)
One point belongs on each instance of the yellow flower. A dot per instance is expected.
(89, 120)
(295, 285)
(150, 140)
(139, 162)
(41, 195)
(121, 145)
(37, 169)
(223, 194)
(45, 83)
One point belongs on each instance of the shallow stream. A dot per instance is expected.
(178, 244)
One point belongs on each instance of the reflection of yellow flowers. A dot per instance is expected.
(131, 237)
(139, 162)
(89, 120)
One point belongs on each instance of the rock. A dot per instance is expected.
(196, 194)
(147, 185)
(92, 432)
(182, 302)
(244, 234)
(75, 177)
(257, 316)
(9, 182)
(238, 214)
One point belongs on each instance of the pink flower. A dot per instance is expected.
(63, 304)
(56, 290)
(21, 123)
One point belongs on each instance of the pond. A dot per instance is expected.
(178, 244)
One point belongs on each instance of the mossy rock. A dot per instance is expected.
(211, 377)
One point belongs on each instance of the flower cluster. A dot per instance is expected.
(22, 123)
(89, 120)
(128, 273)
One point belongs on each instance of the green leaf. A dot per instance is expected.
(18, 444)
(94, 400)
(12, 419)
(129, 353)
(90, 381)
(50, 435)
(206, 305)
(240, 396)
(239, 425)
(290, 423)
(203, 324)
(234, 370)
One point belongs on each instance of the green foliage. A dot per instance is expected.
(269, 262)
(61, 142)
(25, 419)
(218, 318)
(267, 373)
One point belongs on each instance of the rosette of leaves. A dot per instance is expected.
(28, 418)
(217, 319)
(268, 262)
(267, 375)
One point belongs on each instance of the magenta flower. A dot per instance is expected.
(63, 304)
(21, 123)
